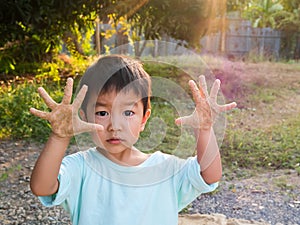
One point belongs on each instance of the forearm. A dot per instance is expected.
(44, 175)
(208, 156)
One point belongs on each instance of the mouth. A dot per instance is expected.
(114, 141)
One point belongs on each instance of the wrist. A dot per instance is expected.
(56, 137)
(202, 130)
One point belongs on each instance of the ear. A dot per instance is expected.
(82, 115)
(145, 119)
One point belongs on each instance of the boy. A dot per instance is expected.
(115, 183)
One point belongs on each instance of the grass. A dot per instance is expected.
(163, 134)
(283, 183)
(15, 120)
(5, 175)
(275, 147)
(247, 147)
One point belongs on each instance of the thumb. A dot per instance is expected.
(185, 120)
(88, 127)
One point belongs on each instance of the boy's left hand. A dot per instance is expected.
(207, 107)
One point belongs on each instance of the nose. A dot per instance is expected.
(115, 123)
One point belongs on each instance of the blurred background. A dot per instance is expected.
(252, 46)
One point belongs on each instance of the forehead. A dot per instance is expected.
(128, 97)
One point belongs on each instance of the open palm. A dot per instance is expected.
(207, 108)
(64, 118)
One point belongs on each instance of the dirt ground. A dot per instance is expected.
(19, 206)
(214, 219)
(239, 79)
(17, 157)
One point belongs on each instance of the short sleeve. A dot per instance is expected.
(192, 184)
(68, 177)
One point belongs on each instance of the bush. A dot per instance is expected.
(15, 119)
(274, 147)
(24, 56)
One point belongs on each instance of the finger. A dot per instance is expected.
(227, 107)
(185, 120)
(215, 89)
(88, 127)
(195, 92)
(39, 113)
(68, 91)
(80, 97)
(203, 85)
(46, 97)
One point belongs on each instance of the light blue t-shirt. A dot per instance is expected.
(97, 191)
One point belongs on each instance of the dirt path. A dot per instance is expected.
(234, 199)
(274, 87)
(269, 196)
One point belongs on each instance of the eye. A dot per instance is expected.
(128, 113)
(101, 113)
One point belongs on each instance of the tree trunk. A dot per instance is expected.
(97, 37)
(223, 26)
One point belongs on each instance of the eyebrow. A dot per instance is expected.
(99, 104)
(129, 103)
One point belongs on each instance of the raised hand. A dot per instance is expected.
(64, 118)
(207, 107)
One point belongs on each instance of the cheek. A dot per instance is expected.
(101, 121)
(98, 138)
(135, 127)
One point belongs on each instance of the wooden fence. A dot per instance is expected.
(243, 39)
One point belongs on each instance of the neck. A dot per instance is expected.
(129, 157)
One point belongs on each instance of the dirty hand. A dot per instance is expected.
(64, 118)
(207, 107)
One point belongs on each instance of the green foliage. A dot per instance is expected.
(162, 134)
(7, 62)
(32, 30)
(44, 24)
(49, 70)
(261, 13)
(236, 5)
(266, 95)
(23, 56)
(4, 175)
(63, 66)
(161, 70)
(185, 20)
(274, 148)
(16, 99)
(48, 19)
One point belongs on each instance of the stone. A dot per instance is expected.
(214, 219)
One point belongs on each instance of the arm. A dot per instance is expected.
(65, 123)
(43, 180)
(208, 156)
(202, 120)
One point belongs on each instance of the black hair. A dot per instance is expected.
(117, 73)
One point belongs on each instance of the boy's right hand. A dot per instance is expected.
(64, 118)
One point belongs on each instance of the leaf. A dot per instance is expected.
(256, 22)
(12, 66)
(275, 8)
(48, 48)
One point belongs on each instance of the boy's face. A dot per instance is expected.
(121, 115)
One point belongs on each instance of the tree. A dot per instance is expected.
(52, 18)
(184, 20)
(31, 29)
(261, 12)
(288, 21)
